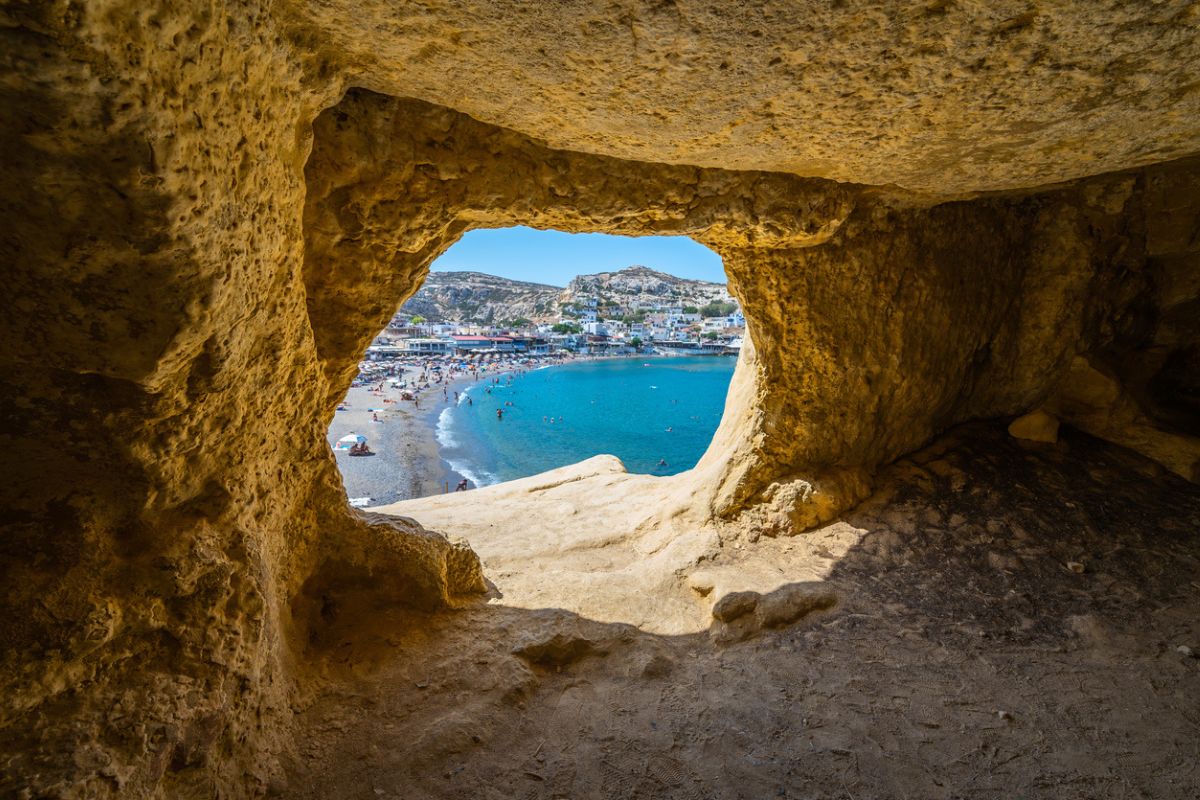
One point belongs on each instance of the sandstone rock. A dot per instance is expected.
(936, 85)
(1004, 561)
(558, 650)
(658, 666)
(206, 228)
(793, 602)
(1036, 426)
(702, 582)
(735, 605)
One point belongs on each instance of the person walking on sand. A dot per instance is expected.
(462, 486)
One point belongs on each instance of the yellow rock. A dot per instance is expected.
(1036, 426)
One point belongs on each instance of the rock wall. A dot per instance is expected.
(187, 300)
(877, 318)
(941, 97)
(170, 509)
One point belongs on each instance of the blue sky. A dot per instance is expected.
(553, 257)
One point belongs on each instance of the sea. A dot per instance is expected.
(656, 414)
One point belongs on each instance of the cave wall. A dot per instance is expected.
(168, 496)
(185, 302)
(878, 318)
(944, 98)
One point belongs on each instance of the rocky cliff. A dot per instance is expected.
(476, 297)
(641, 284)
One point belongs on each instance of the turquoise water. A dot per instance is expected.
(623, 407)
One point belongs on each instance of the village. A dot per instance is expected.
(589, 326)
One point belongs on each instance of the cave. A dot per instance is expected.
(425, 402)
(943, 542)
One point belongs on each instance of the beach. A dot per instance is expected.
(402, 434)
(405, 463)
(657, 414)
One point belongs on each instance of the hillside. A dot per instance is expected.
(645, 285)
(488, 299)
(476, 297)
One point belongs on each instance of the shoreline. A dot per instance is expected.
(408, 461)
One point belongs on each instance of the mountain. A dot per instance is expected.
(645, 285)
(488, 299)
(476, 297)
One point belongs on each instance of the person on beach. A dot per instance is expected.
(462, 486)
(374, 417)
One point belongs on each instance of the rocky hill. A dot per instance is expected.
(645, 285)
(476, 297)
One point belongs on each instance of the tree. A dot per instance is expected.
(710, 335)
(691, 310)
(418, 320)
(716, 309)
(636, 342)
(566, 327)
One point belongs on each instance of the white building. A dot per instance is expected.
(615, 326)
(429, 347)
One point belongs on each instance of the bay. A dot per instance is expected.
(656, 414)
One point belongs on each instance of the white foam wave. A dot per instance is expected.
(477, 479)
(445, 437)
(447, 440)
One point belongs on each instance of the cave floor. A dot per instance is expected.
(1014, 620)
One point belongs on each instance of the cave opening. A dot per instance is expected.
(525, 351)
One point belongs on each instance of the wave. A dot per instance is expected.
(447, 441)
(478, 479)
(443, 434)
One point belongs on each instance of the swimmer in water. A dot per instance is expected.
(499, 413)
(662, 462)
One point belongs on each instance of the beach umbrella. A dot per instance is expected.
(349, 440)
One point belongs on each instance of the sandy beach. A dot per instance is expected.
(406, 463)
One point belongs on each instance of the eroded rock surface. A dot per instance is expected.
(204, 228)
(964, 658)
(940, 97)
(876, 320)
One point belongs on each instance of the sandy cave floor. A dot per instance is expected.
(965, 657)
